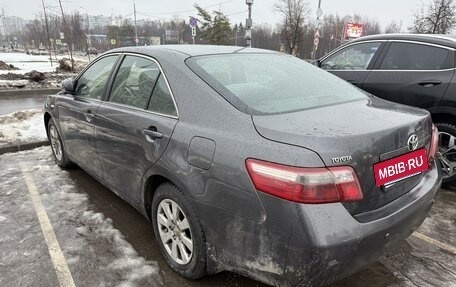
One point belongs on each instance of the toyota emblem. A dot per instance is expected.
(412, 142)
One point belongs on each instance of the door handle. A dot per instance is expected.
(430, 83)
(89, 116)
(152, 134)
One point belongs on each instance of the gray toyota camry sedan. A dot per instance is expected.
(249, 160)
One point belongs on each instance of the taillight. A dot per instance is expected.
(434, 144)
(305, 185)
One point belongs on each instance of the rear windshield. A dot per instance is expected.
(272, 83)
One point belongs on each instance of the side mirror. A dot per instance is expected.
(69, 86)
(316, 63)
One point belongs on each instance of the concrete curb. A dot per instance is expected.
(27, 93)
(21, 146)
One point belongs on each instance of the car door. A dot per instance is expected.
(353, 62)
(76, 112)
(412, 73)
(135, 124)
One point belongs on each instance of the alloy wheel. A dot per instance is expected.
(174, 231)
(56, 144)
(447, 154)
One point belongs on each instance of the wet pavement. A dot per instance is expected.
(12, 105)
(105, 242)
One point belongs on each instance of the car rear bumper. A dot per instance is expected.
(338, 244)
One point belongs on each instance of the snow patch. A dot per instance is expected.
(13, 84)
(88, 238)
(131, 268)
(22, 127)
(27, 63)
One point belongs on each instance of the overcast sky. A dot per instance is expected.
(384, 11)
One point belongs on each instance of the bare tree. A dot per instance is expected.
(67, 31)
(266, 38)
(437, 17)
(333, 27)
(371, 27)
(393, 27)
(78, 35)
(294, 13)
(332, 33)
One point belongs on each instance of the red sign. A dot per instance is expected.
(400, 167)
(353, 30)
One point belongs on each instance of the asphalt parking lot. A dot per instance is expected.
(63, 228)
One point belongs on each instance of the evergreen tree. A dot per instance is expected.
(215, 28)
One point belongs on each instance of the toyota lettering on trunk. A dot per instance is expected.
(401, 167)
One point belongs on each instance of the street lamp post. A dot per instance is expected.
(317, 32)
(47, 32)
(136, 27)
(88, 40)
(248, 24)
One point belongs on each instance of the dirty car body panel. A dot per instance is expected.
(221, 122)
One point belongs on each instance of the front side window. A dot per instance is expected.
(91, 84)
(410, 56)
(135, 82)
(272, 83)
(355, 57)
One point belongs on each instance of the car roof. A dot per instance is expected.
(191, 50)
(445, 40)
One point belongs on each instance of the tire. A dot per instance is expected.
(171, 233)
(60, 156)
(446, 131)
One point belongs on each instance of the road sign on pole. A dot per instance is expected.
(193, 21)
(248, 24)
(193, 34)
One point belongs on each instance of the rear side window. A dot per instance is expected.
(162, 101)
(135, 82)
(272, 83)
(355, 57)
(410, 56)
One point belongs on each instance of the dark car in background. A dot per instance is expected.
(249, 160)
(63, 50)
(92, 51)
(416, 70)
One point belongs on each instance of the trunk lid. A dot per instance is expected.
(358, 134)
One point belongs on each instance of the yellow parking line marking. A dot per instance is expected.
(58, 260)
(434, 242)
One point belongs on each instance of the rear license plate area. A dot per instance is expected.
(401, 167)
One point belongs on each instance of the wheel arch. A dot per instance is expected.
(151, 185)
(153, 178)
(443, 115)
(47, 118)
